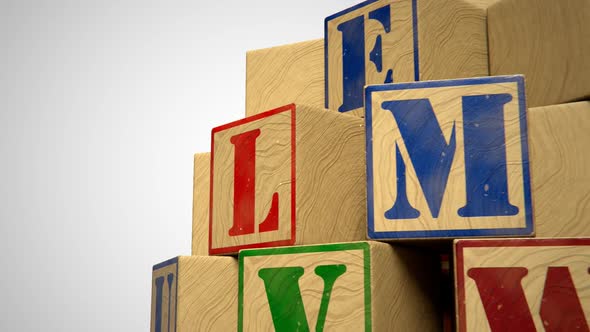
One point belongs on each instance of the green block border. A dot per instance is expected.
(364, 246)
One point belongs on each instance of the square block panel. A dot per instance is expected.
(523, 284)
(253, 182)
(448, 159)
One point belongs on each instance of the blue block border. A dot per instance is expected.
(526, 231)
(353, 8)
(165, 263)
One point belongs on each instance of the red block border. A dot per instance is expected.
(231, 250)
(459, 267)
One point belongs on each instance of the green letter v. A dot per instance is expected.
(284, 296)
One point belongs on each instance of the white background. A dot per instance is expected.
(102, 105)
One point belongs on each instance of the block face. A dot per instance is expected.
(207, 294)
(448, 159)
(253, 182)
(358, 39)
(164, 296)
(285, 74)
(201, 185)
(545, 40)
(387, 41)
(323, 286)
(523, 284)
(558, 138)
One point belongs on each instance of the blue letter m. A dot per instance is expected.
(432, 156)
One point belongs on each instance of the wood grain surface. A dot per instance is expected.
(204, 294)
(559, 140)
(380, 288)
(280, 75)
(201, 179)
(548, 41)
(312, 160)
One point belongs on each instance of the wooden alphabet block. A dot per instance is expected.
(448, 159)
(523, 284)
(195, 293)
(201, 180)
(546, 40)
(290, 176)
(388, 41)
(361, 286)
(286, 74)
(559, 138)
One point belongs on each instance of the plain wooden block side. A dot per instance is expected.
(331, 194)
(427, 40)
(374, 287)
(201, 180)
(405, 289)
(307, 175)
(448, 159)
(559, 138)
(195, 293)
(285, 74)
(548, 42)
(522, 284)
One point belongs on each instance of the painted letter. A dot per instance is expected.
(507, 309)
(354, 57)
(485, 157)
(284, 296)
(245, 188)
(159, 298)
(561, 309)
(429, 152)
(503, 298)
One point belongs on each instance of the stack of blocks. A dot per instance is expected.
(406, 135)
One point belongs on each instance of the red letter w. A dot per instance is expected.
(506, 306)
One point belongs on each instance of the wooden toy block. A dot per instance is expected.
(559, 138)
(387, 41)
(201, 182)
(523, 284)
(194, 293)
(290, 176)
(359, 286)
(286, 74)
(546, 40)
(448, 159)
